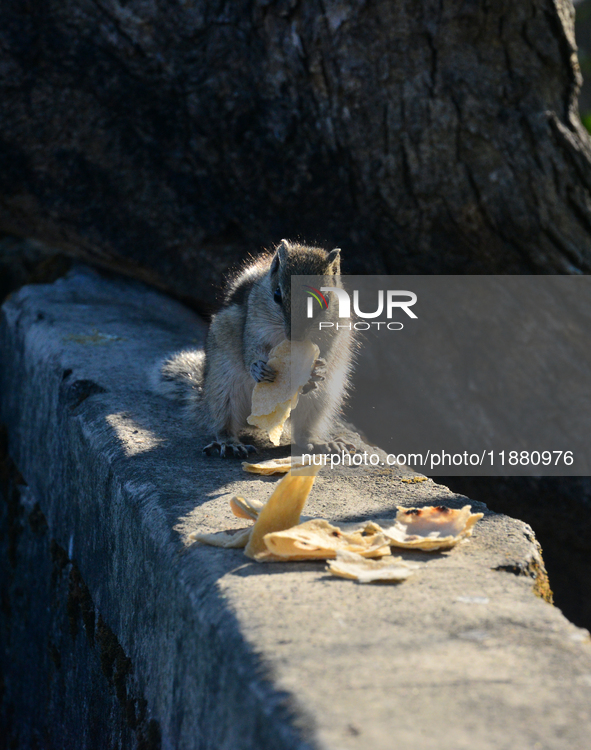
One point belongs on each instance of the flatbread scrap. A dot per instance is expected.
(274, 422)
(386, 570)
(319, 540)
(273, 466)
(282, 510)
(430, 528)
(273, 402)
(242, 508)
(231, 539)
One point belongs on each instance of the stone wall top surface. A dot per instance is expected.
(233, 654)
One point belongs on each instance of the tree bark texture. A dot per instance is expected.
(170, 139)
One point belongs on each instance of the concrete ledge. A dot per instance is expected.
(150, 642)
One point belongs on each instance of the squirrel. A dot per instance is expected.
(216, 384)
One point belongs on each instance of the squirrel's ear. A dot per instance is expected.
(334, 261)
(280, 255)
(282, 250)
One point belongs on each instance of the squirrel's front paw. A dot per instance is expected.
(262, 372)
(317, 376)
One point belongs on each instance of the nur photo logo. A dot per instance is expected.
(388, 301)
(315, 294)
(391, 302)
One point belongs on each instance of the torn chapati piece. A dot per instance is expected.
(282, 510)
(272, 403)
(231, 539)
(430, 528)
(360, 552)
(319, 540)
(242, 508)
(272, 466)
(387, 569)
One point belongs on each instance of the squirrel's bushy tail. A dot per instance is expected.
(180, 376)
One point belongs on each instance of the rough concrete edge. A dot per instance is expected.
(533, 567)
(281, 716)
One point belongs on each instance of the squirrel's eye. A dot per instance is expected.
(277, 295)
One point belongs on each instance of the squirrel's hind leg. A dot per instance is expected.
(228, 408)
(227, 446)
(227, 391)
(226, 428)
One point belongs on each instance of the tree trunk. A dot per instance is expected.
(170, 140)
